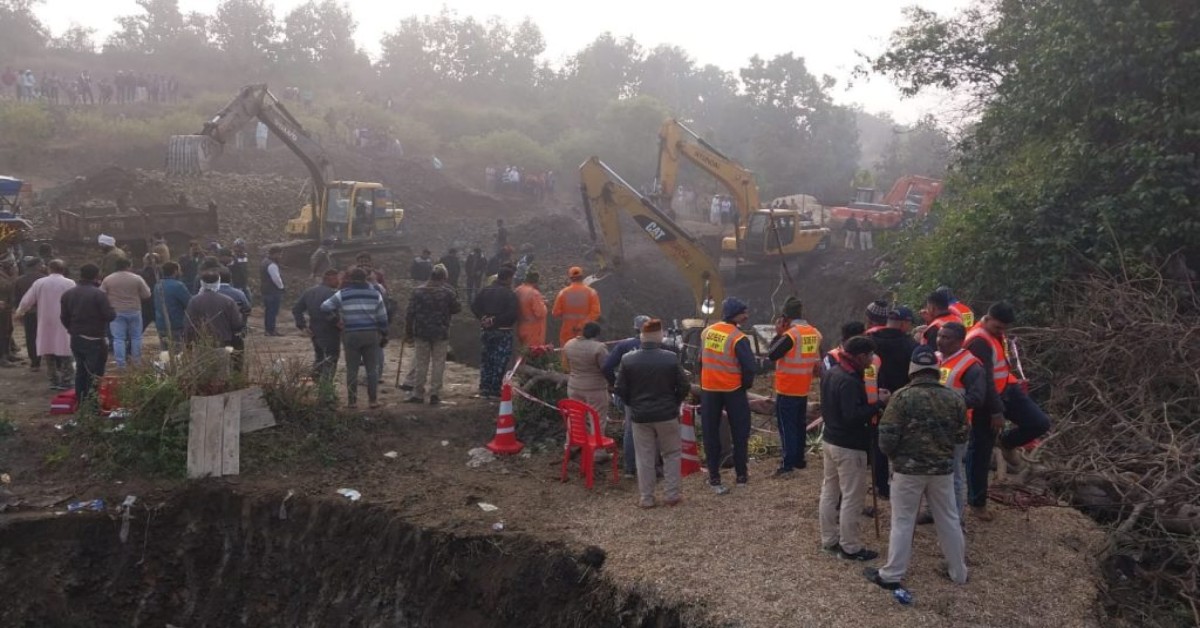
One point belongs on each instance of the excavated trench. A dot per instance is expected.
(212, 557)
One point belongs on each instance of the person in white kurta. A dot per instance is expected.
(53, 342)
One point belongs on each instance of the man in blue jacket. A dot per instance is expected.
(171, 299)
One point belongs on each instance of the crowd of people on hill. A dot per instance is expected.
(535, 184)
(125, 86)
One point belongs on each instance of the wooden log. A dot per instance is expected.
(214, 436)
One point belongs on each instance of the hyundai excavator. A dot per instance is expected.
(762, 235)
(355, 214)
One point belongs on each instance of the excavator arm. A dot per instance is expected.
(606, 195)
(193, 154)
(676, 140)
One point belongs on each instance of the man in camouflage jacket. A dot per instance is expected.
(918, 432)
(427, 325)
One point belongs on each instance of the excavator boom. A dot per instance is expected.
(606, 195)
(676, 140)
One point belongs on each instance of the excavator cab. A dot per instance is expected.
(351, 210)
(796, 236)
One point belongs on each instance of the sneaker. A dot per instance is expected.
(862, 555)
(925, 518)
(872, 575)
(832, 550)
(720, 489)
(434, 400)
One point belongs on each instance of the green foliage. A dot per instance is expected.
(20, 29)
(27, 126)
(1085, 156)
(7, 428)
(152, 439)
(507, 147)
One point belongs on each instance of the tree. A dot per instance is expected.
(245, 30)
(77, 38)
(1084, 157)
(923, 149)
(321, 34)
(153, 31)
(20, 30)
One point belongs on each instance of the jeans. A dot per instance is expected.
(327, 348)
(1029, 419)
(844, 480)
(360, 348)
(979, 458)
(126, 327)
(90, 358)
(497, 348)
(271, 304)
(30, 323)
(791, 414)
(737, 407)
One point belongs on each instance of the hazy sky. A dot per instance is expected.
(826, 33)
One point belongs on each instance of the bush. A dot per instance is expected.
(26, 127)
(507, 147)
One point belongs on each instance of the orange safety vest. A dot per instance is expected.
(794, 371)
(719, 368)
(964, 312)
(1001, 374)
(870, 374)
(952, 370)
(952, 317)
(576, 305)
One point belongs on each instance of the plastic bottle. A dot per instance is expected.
(903, 596)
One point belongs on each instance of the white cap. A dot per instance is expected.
(106, 240)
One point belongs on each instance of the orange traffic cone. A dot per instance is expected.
(506, 442)
(690, 456)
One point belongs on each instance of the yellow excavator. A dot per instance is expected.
(762, 235)
(355, 212)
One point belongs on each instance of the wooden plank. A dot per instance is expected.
(231, 434)
(256, 415)
(195, 456)
(212, 435)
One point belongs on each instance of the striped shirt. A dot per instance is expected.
(360, 306)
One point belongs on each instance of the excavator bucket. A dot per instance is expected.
(191, 154)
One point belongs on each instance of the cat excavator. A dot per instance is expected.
(356, 215)
(762, 235)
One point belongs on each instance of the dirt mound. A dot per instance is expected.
(211, 557)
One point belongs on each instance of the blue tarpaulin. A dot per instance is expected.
(10, 186)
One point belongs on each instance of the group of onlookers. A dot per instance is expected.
(125, 86)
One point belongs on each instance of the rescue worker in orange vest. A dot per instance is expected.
(938, 305)
(575, 306)
(796, 352)
(958, 307)
(531, 325)
(987, 342)
(726, 373)
(962, 372)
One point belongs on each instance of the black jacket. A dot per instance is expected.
(652, 383)
(86, 311)
(894, 348)
(845, 409)
(453, 268)
(496, 307)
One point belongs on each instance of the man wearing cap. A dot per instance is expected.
(35, 269)
(497, 310)
(112, 253)
(575, 305)
(365, 329)
(652, 384)
(609, 369)
(893, 349)
(8, 282)
(53, 341)
(320, 261)
(796, 352)
(847, 412)
(427, 326)
(531, 326)
(920, 428)
(726, 372)
(271, 287)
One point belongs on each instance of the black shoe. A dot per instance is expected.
(742, 481)
(433, 401)
(924, 519)
(801, 465)
(872, 574)
(783, 474)
(862, 555)
(406, 387)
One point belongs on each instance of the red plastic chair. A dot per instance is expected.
(577, 415)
